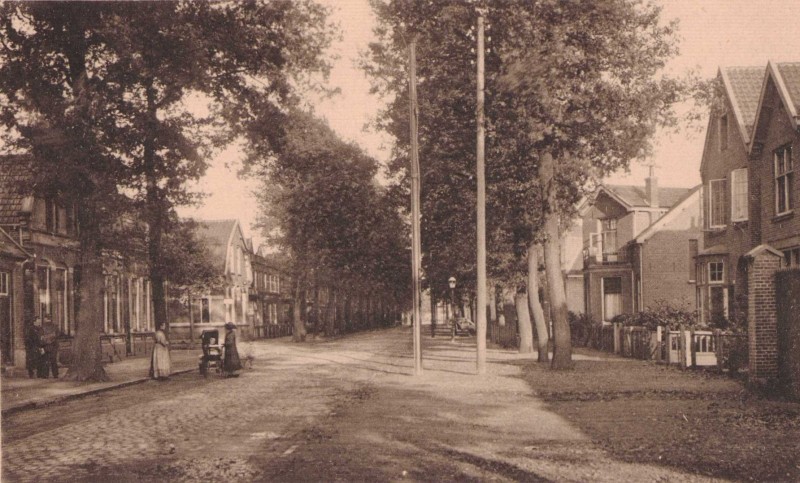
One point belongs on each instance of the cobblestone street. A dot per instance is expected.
(341, 410)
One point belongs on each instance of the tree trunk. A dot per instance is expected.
(330, 315)
(299, 332)
(535, 305)
(155, 207)
(524, 323)
(562, 344)
(87, 354)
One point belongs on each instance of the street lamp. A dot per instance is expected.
(452, 282)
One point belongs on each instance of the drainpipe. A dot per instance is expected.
(641, 278)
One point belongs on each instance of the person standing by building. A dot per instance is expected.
(32, 349)
(231, 362)
(160, 366)
(49, 343)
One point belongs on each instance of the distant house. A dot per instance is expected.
(231, 258)
(610, 220)
(270, 294)
(661, 272)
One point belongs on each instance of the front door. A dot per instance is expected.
(6, 331)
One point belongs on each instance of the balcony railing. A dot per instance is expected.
(594, 256)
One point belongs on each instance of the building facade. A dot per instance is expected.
(724, 170)
(610, 220)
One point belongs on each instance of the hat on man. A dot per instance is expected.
(230, 326)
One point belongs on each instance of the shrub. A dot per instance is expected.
(581, 326)
(662, 314)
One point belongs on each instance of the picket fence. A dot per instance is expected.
(684, 347)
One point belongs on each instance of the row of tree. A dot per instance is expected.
(574, 91)
(337, 227)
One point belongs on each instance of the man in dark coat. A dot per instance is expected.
(32, 348)
(49, 360)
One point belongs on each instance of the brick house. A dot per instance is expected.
(47, 228)
(721, 264)
(613, 217)
(660, 270)
(775, 197)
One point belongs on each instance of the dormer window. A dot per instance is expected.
(723, 132)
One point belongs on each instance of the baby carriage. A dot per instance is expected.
(212, 351)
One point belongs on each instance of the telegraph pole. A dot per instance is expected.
(416, 246)
(481, 322)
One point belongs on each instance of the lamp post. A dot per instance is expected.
(452, 282)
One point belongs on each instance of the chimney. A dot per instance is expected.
(651, 188)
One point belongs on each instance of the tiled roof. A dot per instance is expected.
(790, 72)
(744, 91)
(15, 178)
(216, 233)
(636, 196)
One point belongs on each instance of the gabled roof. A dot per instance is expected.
(636, 196)
(217, 234)
(693, 196)
(16, 172)
(786, 78)
(743, 86)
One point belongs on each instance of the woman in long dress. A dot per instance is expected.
(160, 366)
(231, 362)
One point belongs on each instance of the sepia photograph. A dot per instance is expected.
(399, 240)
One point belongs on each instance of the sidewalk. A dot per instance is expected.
(22, 393)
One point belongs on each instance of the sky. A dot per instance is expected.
(713, 33)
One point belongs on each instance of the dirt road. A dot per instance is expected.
(341, 410)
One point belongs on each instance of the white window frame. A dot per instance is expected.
(711, 206)
(791, 257)
(739, 195)
(722, 273)
(783, 167)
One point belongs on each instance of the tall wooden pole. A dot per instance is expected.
(416, 246)
(481, 316)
